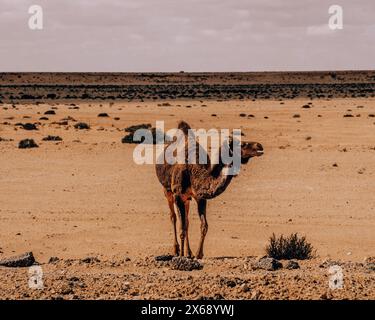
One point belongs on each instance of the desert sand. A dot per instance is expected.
(85, 197)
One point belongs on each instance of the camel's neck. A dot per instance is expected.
(216, 181)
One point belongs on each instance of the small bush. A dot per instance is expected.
(292, 247)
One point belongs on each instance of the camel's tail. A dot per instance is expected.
(182, 125)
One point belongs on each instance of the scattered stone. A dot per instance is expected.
(5, 140)
(291, 265)
(348, 115)
(43, 118)
(306, 106)
(82, 126)
(90, 260)
(269, 264)
(227, 282)
(52, 138)
(185, 264)
(164, 104)
(128, 139)
(329, 263)
(326, 296)
(53, 260)
(255, 295)
(103, 115)
(27, 143)
(50, 112)
(134, 128)
(164, 257)
(68, 118)
(370, 263)
(361, 171)
(24, 260)
(245, 288)
(27, 126)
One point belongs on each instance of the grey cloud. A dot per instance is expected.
(194, 35)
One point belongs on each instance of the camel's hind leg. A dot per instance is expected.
(202, 205)
(188, 252)
(173, 217)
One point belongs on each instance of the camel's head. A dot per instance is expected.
(250, 150)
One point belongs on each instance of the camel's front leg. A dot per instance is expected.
(202, 205)
(188, 252)
(173, 217)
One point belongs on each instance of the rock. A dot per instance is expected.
(82, 126)
(326, 296)
(227, 282)
(53, 260)
(328, 263)
(164, 257)
(306, 106)
(291, 264)
(24, 260)
(103, 115)
(185, 264)
(90, 260)
(50, 112)
(125, 286)
(27, 126)
(255, 295)
(128, 139)
(370, 263)
(134, 128)
(27, 143)
(269, 264)
(52, 138)
(245, 288)
(68, 118)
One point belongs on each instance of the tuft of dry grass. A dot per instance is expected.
(292, 247)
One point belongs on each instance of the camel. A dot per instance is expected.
(201, 182)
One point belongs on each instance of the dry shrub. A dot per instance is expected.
(292, 247)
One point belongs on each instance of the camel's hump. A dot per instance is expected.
(184, 126)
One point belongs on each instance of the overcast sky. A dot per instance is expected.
(190, 35)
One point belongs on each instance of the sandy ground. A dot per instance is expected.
(85, 196)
